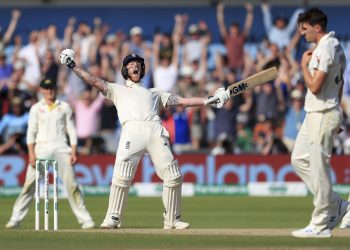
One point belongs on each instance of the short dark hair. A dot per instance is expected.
(313, 16)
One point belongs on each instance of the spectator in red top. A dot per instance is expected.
(233, 37)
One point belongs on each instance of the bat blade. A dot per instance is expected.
(249, 83)
(252, 81)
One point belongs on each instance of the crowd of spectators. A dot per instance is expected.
(186, 62)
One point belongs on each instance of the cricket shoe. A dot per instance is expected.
(88, 225)
(311, 232)
(177, 224)
(12, 224)
(113, 223)
(345, 223)
(343, 208)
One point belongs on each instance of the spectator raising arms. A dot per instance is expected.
(279, 32)
(234, 38)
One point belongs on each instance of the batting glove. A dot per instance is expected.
(67, 57)
(222, 97)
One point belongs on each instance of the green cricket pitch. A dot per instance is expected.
(217, 222)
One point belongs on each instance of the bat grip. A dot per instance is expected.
(70, 63)
(211, 100)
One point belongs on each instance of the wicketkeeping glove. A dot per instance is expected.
(67, 57)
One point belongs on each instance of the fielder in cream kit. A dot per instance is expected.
(142, 131)
(323, 69)
(50, 120)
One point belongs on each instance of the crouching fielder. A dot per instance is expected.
(142, 130)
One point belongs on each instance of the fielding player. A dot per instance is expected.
(142, 130)
(323, 69)
(49, 121)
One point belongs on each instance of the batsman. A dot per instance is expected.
(142, 131)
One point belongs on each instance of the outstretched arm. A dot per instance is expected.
(220, 97)
(67, 57)
(175, 100)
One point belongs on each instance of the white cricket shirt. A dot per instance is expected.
(51, 124)
(136, 103)
(328, 57)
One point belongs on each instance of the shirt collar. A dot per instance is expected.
(325, 37)
(132, 84)
(57, 102)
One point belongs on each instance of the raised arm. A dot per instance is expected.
(67, 57)
(265, 8)
(292, 24)
(221, 19)
(156, 48)
(12, 26)
(68, 32)
(249, 19)
(176, 38)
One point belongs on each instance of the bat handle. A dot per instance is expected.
(211, 100)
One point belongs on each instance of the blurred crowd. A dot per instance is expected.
(186, 62)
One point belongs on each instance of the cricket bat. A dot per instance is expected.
(248, 83)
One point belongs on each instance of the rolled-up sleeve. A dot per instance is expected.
(164, 96)
(111, 95)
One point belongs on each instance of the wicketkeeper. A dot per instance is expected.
(142, 130)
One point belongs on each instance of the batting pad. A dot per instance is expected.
(172, 193)
(117, 202)
(122, 177)
(124, 173)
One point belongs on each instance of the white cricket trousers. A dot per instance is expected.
(137, 138)
(61, 153)
(311, 161)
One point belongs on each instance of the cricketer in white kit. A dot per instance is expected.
(323, 69)
(49, 121)
(142, 131)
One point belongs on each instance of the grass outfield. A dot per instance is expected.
(217, 222)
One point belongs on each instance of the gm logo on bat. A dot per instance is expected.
(239, 88)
